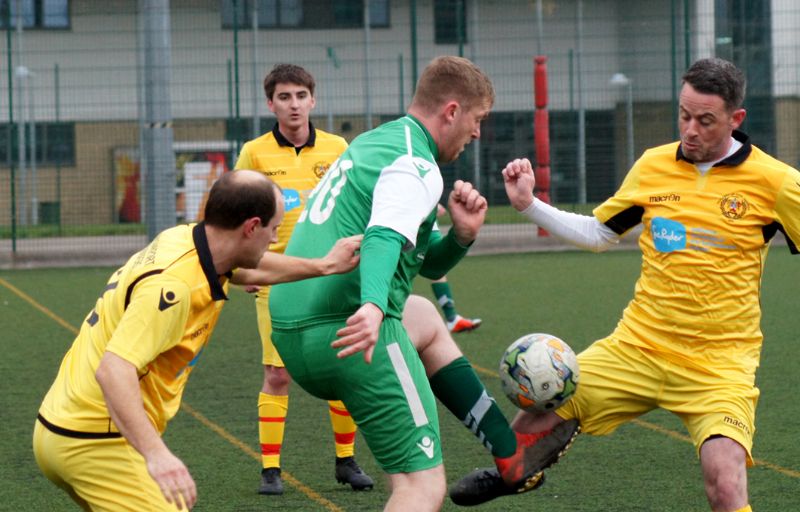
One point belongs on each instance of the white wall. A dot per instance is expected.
(98, 56)
(785, 48)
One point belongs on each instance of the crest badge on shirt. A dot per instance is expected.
(320, 168)
(733, 206)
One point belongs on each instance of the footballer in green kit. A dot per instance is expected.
(386, 186)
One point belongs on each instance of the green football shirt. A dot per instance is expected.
(387, 179)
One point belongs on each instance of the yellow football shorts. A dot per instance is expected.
(620, 381)
(98, 474)
(269, 355)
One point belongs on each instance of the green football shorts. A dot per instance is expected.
(390, 399)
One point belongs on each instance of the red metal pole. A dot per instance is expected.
(541, 131)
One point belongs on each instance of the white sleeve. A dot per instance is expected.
(583, 231)
(403, 196)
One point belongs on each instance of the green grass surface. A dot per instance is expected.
(576, 296)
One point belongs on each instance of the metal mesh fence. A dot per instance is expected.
(81, 118)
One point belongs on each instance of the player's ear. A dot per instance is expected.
(250, 225)
(737, 118)
(450, 110)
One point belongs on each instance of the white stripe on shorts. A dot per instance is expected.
(409, 389)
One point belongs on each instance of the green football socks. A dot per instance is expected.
(444, 297)
(458, 387)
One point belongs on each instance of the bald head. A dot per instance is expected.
(238, 196)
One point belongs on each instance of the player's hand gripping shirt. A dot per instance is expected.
(156, 312)
(297, 173)
(704, 244)
(387, 178)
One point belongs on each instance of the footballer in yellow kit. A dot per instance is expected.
(297, 171)
(161, 326)
(164, 346)
(98, 432)
(296, 156)
(695, 313)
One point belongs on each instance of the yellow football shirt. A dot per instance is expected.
(296, 172)
(157, 312)
(704, 244)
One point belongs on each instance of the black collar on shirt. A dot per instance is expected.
(281, 140)
(207, 262)
(735, 159)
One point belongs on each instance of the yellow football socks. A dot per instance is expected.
(344, 429)
(271, 423)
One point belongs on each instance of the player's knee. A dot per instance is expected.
(420, 307)
(422, 322)
(419, 491)
(725, 490)
(276, 380)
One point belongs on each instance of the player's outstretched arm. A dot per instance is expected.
(120, 384)
(467, 210)
(519, 181)
(277, 268)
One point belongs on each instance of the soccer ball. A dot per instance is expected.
(539, 372)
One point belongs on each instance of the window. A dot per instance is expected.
(271, 13)
(55, 144)
(351, 14)
(450, 21)
(35, 13)
(304, 13)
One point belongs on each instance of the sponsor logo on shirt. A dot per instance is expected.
(664, 198)
(200, 330)
(191, 363)
(167, 300)
(668, 235)
(291, 199)
(426, 445)
(733, 206)
(276, 172)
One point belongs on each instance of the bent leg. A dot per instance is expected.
(429, 335)
(725, 474)
(453, 380)
(420, 491)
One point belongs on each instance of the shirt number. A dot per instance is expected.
(322, 199)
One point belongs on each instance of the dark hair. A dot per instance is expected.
(449, 77)
(238, 196)
(719, 77)
(287, 74)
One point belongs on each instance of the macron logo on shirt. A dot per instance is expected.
(426, 445)
(423, 166)
(167, 300)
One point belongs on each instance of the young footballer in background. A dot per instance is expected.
(295, 155)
